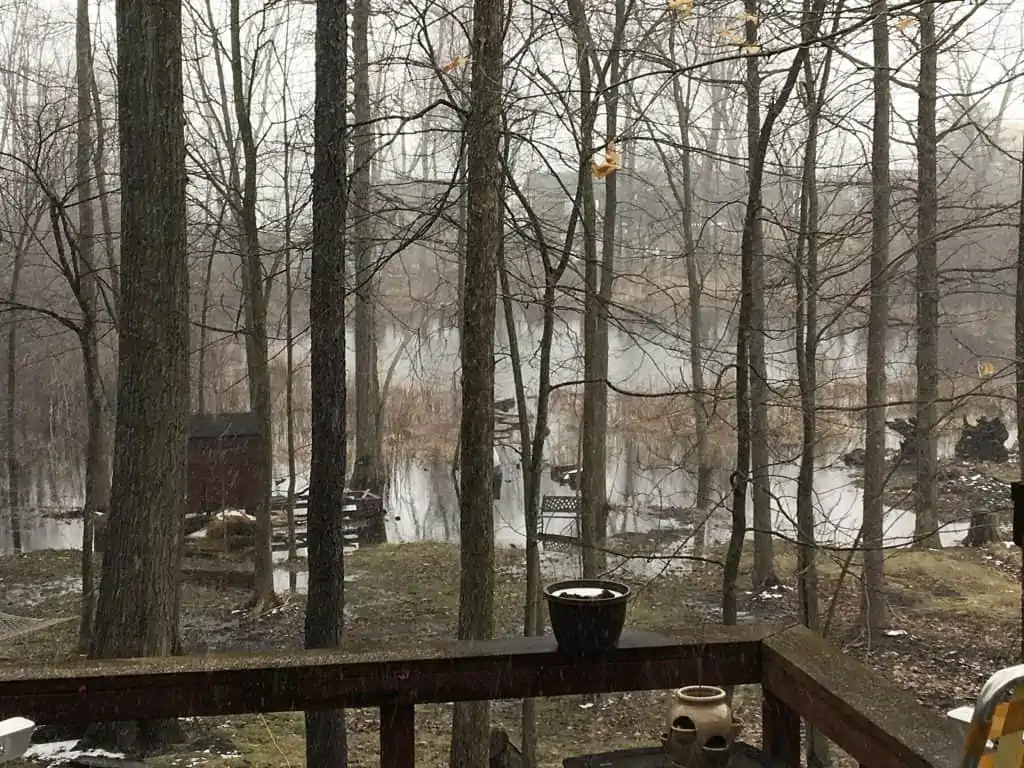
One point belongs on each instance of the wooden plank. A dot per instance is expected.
(780, 731)
(397, 736)
(243, 683)
(878, 724)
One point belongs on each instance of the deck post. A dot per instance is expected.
(780, 733)
(397, 736)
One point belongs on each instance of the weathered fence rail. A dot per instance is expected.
(802, 676)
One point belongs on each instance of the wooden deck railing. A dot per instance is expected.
(878, 724)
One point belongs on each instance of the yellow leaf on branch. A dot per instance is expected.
(682, 7)
(451, 66)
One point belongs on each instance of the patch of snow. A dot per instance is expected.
(895, 633)
(60, 752)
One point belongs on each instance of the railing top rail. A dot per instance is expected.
(515, 668)
(878, 723)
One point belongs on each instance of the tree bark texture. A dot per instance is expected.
(368, 469)
(137, 607)
(874, 602)
(764, 556)
(926, 524)
(484, 211)
(326, 744)
(255, 291)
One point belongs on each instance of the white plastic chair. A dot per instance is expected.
(15, 736)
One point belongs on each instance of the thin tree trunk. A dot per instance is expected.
(97, 474)
(592, 437)
(100, 166)
(326, 743)
(739, 479)
(876, 611)
(15, 470)
(533, 620)
(764, 557)
(256, 290)
(289, 320)
(202, 374)
(531, 617)
(484, 240)
(926, 524)
(807, 285)
(694, 282)
(368, 469)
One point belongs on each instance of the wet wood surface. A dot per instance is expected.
(300, 680)
(879, 724)
(743, 756)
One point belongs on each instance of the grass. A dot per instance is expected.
(405, 596)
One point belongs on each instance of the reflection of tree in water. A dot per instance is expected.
(440, 485)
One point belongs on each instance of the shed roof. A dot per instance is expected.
(214, 425)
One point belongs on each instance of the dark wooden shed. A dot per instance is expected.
(223, 453)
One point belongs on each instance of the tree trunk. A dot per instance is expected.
(592, 435)
(684, 198)
(806, 281)
(531, 472)
(202, 374)
(15, 470)
(137, 609)
(289, 321)
(748, 242)
(256, 289)
(485, 206)
(876, 612)
(532, 466)
(764, 557)
(326, 745)
(595, 354)
(368, 470)
(97, 472)
(926, 524)
(99, 162)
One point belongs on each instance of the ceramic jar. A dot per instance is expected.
(701, 729)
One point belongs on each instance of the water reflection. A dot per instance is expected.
(40, 532)
(422, 505)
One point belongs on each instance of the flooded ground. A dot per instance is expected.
(651, 525)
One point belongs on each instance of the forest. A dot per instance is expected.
(739, 284)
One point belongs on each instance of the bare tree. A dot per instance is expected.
(876, 613)
(137, 608)
(97, 472)
(484, 209)
(748, 254)
(926, 531)
(326, 743)
(594, 437)
(368, 469)
(764, 558)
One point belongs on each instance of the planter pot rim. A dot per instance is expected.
(700, 694)
(622, 592)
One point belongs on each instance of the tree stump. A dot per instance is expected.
(984, 529)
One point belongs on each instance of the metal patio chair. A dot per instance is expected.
(995, 734)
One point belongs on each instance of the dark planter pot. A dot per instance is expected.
(587, 615)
